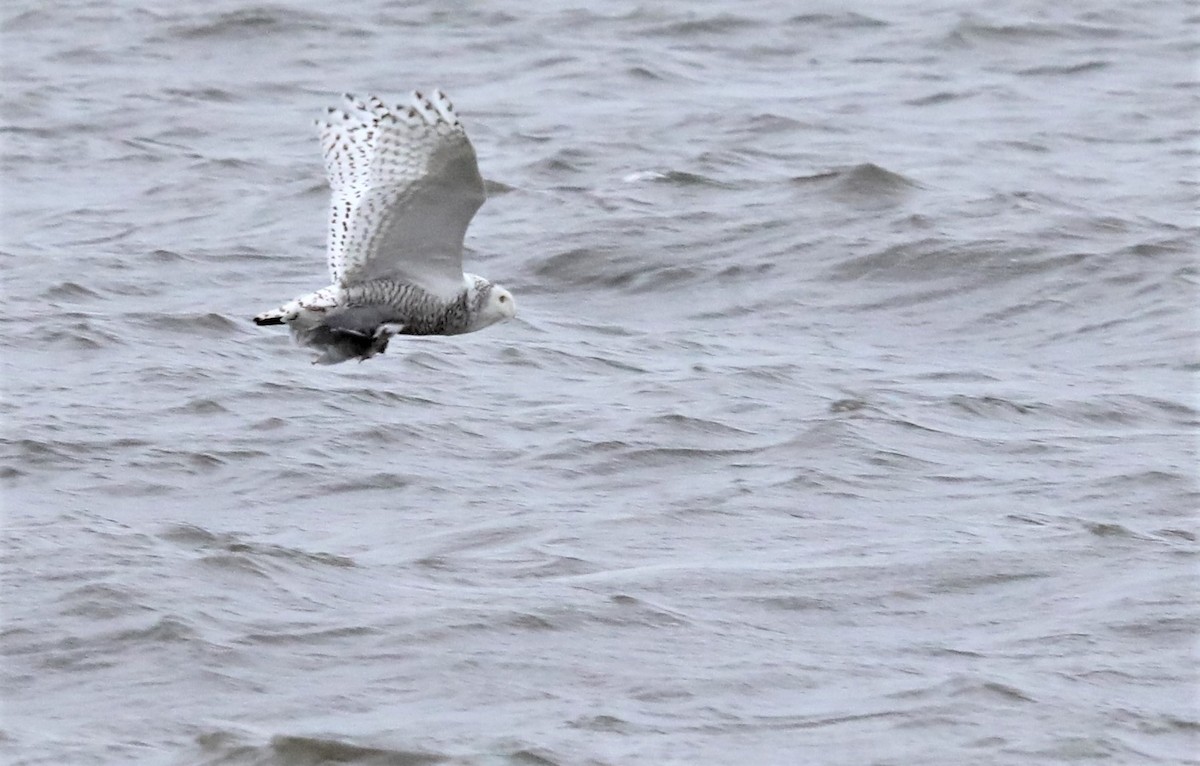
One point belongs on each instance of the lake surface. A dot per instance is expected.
(850, 416)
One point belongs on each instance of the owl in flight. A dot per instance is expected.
(405, 185)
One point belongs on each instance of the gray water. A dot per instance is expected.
(850, 416)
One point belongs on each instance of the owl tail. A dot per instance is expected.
(269, 317)
(308, 308)
(286, 313)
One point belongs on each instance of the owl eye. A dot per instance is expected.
(503, 298)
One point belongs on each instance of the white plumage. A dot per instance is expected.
(405, 186)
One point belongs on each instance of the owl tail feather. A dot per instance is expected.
(281, 315)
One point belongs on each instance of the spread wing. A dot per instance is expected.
(405, 185)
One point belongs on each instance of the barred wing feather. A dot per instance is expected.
(405, 185)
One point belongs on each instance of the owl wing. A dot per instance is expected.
(405, 185)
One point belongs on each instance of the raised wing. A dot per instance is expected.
(405, 185)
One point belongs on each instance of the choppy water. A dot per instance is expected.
(850, 416)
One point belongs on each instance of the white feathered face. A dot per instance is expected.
(501, 305)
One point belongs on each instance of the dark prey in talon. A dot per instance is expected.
(405, 186)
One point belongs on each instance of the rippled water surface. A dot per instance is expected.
(850, 416)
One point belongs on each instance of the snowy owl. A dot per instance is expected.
(405, 185)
